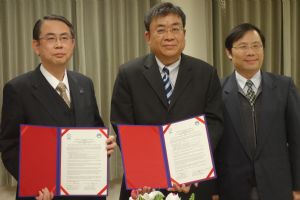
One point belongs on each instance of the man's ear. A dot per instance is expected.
(228, 53)
(74, 43)
(36, 47)
(147, 36)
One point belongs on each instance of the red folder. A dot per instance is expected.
(39, 162)
(38, 158)
(144, 164)
(149, 153)
(143, 157)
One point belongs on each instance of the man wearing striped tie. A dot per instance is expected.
(167, 85)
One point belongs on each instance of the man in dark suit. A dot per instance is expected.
(34, 98)
(139, 95)
(258, 156)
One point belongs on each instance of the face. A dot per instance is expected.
(166, 38)
(56, 44)
(247, 54)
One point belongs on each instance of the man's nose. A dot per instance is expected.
(250, 51)
(58, 43)
(169, 34)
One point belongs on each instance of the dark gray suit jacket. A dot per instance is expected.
(139, 97)
(30, 99)
(276, 162)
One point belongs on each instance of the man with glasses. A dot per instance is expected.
(258, 157)
(50, 95)
(167, 85)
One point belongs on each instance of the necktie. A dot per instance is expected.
(250, 95)
(167, 84)
(62, 89)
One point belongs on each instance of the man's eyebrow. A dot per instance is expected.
(161, 25)
(53, 34)
(50, 34)
(176, 24)
(245, 43)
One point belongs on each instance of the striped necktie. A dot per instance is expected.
(250, 95)
(167, 84)
(62, 89)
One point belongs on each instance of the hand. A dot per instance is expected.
(296, 195)
(215, 197)
(44, 194)
(180, 188)
(110, 144)
(136, 193)
(145, 190)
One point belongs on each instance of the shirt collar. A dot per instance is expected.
(53, 81)
(256, 79)
(171, 67)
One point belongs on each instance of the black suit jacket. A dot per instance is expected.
(276, 162)
(139, 97)
(30, 99)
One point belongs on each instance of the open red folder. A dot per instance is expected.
(159, 156)
(55, 157)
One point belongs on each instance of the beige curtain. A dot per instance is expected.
(291, 39)
(278, 20)
(108, 33)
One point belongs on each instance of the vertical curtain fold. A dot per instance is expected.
(295, 42)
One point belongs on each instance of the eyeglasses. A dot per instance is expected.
(244, 47)
(52, 39)
(174, 30)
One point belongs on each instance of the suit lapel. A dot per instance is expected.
(77, 93)
(46, 95)
(183, 78)
(153, 76)
(231, 100)
(268, 104)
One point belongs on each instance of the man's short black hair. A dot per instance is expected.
(38, 24)
(163, 9)
(239, 31)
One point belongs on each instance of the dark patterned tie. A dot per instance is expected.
(62, 89)
(250, 95)
(167, 84)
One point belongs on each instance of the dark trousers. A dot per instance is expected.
(254, 194)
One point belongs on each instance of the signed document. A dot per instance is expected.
(159, 156)
(188, 151)
(83, 161)
(68, 161)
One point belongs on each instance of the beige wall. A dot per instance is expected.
(198, 28)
